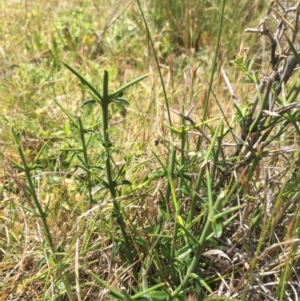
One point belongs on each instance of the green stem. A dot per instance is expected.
(214, 62)
(104, 104)
(43, 216)
(86, 160)
(157, 64)
(41, 212)
(111, 183)
(198, 253)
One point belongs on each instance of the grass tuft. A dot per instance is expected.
(179, 184)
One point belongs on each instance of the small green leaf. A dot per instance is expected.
(102, 283)
(201, 281)
(164, 214)
(126, 86)
(154, 175)
(88, 102)
(71, 118)
(157, 295)
(91, 132)
(35, 167)
(17, 136)
(39, 153)
(184, 253)
(124, 182)
(121, 101)
(125, 294)
(85, 82)
(175, 130)
(97, 188)
(218, 228)
(147, 291)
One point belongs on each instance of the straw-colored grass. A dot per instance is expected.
(189, 192)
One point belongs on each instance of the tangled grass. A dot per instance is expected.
(179, 184)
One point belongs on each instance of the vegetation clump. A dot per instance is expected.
(148, 152)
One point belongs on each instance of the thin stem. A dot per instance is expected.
(157, 64)
(104, 104)
(86, 160)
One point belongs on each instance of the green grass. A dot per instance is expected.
(130, 171)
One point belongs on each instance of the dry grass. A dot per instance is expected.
(187, 179)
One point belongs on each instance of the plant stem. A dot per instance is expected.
(104, 104)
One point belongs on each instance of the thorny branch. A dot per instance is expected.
(267, 110)
(285, 62)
